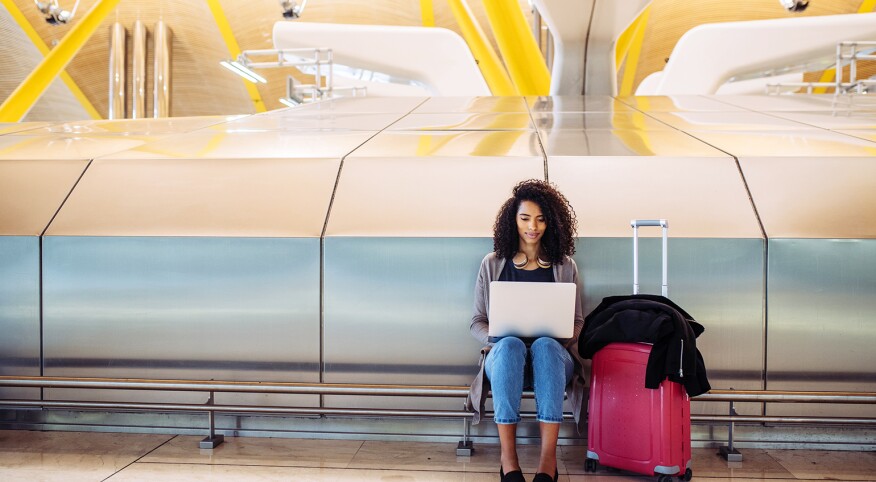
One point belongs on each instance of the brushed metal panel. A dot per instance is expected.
(32, 191)
(629, 142)
(725, 121)
(397, 310)
(362, 105)
(182, 308)
(194, 197)
(19, 311)
(16, 127)
(821, 334)
(297, 121)
(597, 120)
(465, 121)
(128, 127)
(451, 144)
(443, 105)
(866, 134)
(66, 147)
(678, 103)
(701, 198)
(576, 103)
(771, 103)
(720, 282)
(207, 144)
(435, 197)
(832, 120)
(794, 144)
(814, 197)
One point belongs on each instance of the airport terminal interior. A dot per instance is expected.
(240, 239)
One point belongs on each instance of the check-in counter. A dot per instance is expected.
(196, 256)
(631, 166)
(31, 191)
(815, 196)
(410, 223)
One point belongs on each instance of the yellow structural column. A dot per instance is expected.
(488, 60)
(427, 12)
(519, 48)
(16, 106)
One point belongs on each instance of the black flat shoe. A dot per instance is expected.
(543, 477)
(513, 476)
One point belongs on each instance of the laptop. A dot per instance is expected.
(531, 309)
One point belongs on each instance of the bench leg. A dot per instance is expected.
(212, 440)
(465, 448)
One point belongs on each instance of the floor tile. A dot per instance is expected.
(149, 472)
(259, 451)
(70, 456)
(441, 456)
(755, 464)
(822, 464)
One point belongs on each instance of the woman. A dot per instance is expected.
(533, 239)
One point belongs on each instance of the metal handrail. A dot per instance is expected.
(465, 447)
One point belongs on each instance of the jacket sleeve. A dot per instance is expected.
(579, 308)
(479, 326)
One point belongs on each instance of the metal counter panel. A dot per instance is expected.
(294, 120)
(445, 105)
(576, 103)
(20, 312)
(719, 282)
(725, 121)
(359, 105)
(128, 127)
(459, 144)
(465, 121)
(32, 191)
(778, 103)
(64, 147)
(598, 120)
(279, 144)
(397, 310)
(814, 197)
(821, 334)
(678, 103)
(628, 142)
(425, 197)
(806, 142)
(701, 197)
(182, 308)
(195, 197)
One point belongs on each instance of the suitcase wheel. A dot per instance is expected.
(664, 478)
(688, 474)
(590, 465)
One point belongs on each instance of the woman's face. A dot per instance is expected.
(530, 223)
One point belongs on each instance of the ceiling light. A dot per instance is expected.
(244, 72)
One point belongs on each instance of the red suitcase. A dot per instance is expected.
(631, 427)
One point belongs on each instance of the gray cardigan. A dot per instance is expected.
(491, 268)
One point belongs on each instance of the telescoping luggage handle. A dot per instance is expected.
(636, 224)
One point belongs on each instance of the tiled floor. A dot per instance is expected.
(70, 456)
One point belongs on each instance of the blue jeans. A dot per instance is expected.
(545, 366)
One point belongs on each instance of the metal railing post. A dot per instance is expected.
(729, 453)
(212, 440)
(465, 448)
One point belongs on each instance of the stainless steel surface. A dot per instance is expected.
(703, 197)
(576, 103)
(806, 142)
(628, 143)
(218, 144)
(21, 146)
(397, 310)
(309, 121)
(433, 197)
(680, 103)
(182, 308)
(117, 84)
(718, 281)
(177, 197)
(632, 120)
(19, 311)
(143, 129)
(138, 71)
(465, 121)
(778, 103)
(821, 310)
(363, 105)
(723, 121)
(31, 192)
(452, 144)
(162, 38)
(788, 396)
(444, 105)
(814, 197)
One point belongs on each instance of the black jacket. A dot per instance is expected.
(650, 319)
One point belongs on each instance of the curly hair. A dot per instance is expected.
(561, 224)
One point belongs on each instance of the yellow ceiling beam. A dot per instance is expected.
(16, 106)
(234, 50)
(428, 13)
(34, 37)
(522, 56)
(488, 60)
(633, 52)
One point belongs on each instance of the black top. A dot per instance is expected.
(510, 273)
